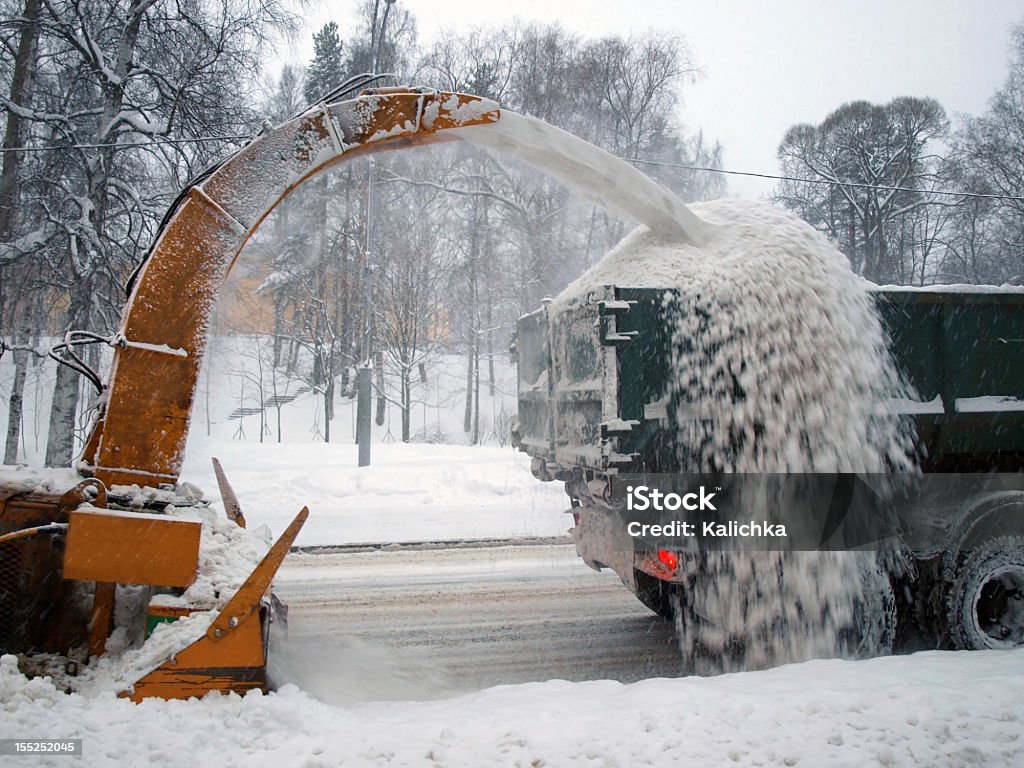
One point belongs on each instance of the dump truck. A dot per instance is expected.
(593, 405)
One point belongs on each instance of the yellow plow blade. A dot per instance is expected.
(232, 655)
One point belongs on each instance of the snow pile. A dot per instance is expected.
(141, 495)
(780, 365)
(227, 555)
(19, 479)
(123, 665)
(410, 492)
(927, 709)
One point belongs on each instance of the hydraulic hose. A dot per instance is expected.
(48, 528)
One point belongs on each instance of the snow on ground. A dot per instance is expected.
(410, 492)
(926, 709)
(444, 490)
(932, 709)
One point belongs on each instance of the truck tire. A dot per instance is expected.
(654, 593)
(986, 596)
(873, 629)
(669, 600)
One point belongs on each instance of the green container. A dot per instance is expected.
(962, 353)
(593, 380)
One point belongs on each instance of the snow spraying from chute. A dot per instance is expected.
(591, 172)
(776, 345)
(779, 364)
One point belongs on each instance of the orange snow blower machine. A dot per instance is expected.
(94, 560)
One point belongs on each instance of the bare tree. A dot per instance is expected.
(870, 155)
(13, 312)
(410, 306)
(992, 147)
(112, 75)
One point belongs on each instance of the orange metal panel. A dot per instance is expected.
(236, 663)
(153, 377)
(246, 600)
(130, 548)
(231, 655)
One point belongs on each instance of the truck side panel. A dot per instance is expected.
(603, 403)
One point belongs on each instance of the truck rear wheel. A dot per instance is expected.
(986, 598)
(761, 616)
(654, 593)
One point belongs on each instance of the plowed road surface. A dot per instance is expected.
(427, 623)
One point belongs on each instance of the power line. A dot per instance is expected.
(636, 160)
(857, 185)
(120, 145)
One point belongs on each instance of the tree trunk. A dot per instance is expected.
(21, 93)
(467, 419)
(15, 406)
(328, 408)
(406, 403)
(279, 301)
(474, 319)
(476, 392)
(491, 387)
(382, 402)
(60, 442)
(60, 439)
(279, 294)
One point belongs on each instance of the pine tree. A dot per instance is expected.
(326, 70)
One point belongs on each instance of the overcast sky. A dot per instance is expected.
(771, 63)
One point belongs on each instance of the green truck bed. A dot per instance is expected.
(593, 379)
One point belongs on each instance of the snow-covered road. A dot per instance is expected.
(425, 624)
(930, 709)
(379, 638)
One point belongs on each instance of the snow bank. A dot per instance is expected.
(410, 492)
(927, 709)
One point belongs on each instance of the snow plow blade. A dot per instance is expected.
(232, 655)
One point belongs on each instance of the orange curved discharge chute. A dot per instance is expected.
(140, 436)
